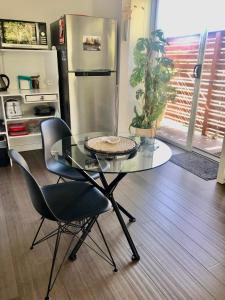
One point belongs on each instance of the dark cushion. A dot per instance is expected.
(75, 200)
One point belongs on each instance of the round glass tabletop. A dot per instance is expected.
(148, 154)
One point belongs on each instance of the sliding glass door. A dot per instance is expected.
(197, 118)
(210, 115)
(184, 50)
(185, 45)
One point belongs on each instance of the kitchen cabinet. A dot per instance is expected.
(42, 63)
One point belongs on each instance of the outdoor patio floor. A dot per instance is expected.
(176, 132)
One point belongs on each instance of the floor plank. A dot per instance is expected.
(179, 233)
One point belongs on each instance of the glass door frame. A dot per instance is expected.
(197, 85)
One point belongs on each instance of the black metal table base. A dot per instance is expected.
(126, 213)
(108, 192)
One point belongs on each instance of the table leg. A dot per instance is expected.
(109, 188)
(108, 192)
(135, 255)
(131, 218)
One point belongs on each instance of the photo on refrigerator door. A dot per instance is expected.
(91, 43)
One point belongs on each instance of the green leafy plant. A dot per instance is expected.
(152, 74)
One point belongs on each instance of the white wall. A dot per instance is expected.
(123, 117)
(139, 26)
(43, 10)
(107, 8)
(49, 10)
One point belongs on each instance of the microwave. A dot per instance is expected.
(23, 34)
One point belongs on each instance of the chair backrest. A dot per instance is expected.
(52, 130)
(35, 191)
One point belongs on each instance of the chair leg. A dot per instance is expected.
(53, 263)
(60, 177)
(81, 240)
(58, 180)
(86, 231)
(36, 235)
(106, 244)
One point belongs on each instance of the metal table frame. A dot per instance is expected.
(107, 190)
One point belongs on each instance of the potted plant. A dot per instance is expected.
(151, 75)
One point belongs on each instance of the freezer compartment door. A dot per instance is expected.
(91, 43)
(93, 102)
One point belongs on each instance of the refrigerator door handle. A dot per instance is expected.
(93, 73)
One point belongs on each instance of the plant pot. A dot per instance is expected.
(146, 132)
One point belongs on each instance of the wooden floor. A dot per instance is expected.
(179, 233)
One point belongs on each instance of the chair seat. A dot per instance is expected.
(75, 200)
(66, 171)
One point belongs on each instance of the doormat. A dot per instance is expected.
(197, 164)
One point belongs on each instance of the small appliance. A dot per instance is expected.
(24, 82)
(23, 34)
(35, 82)
(13, 109)
(4, 82)
(44, 110)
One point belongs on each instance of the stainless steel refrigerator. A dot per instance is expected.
(87, 71)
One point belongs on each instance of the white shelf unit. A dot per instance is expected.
(24, 136)
(28, 117)
(14, 62)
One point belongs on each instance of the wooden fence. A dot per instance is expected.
(210, 119)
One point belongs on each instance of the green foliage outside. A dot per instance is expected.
(151, 75)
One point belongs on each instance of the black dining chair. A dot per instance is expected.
(53, 130)
(73, 206)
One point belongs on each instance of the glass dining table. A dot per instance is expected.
(147, 154)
